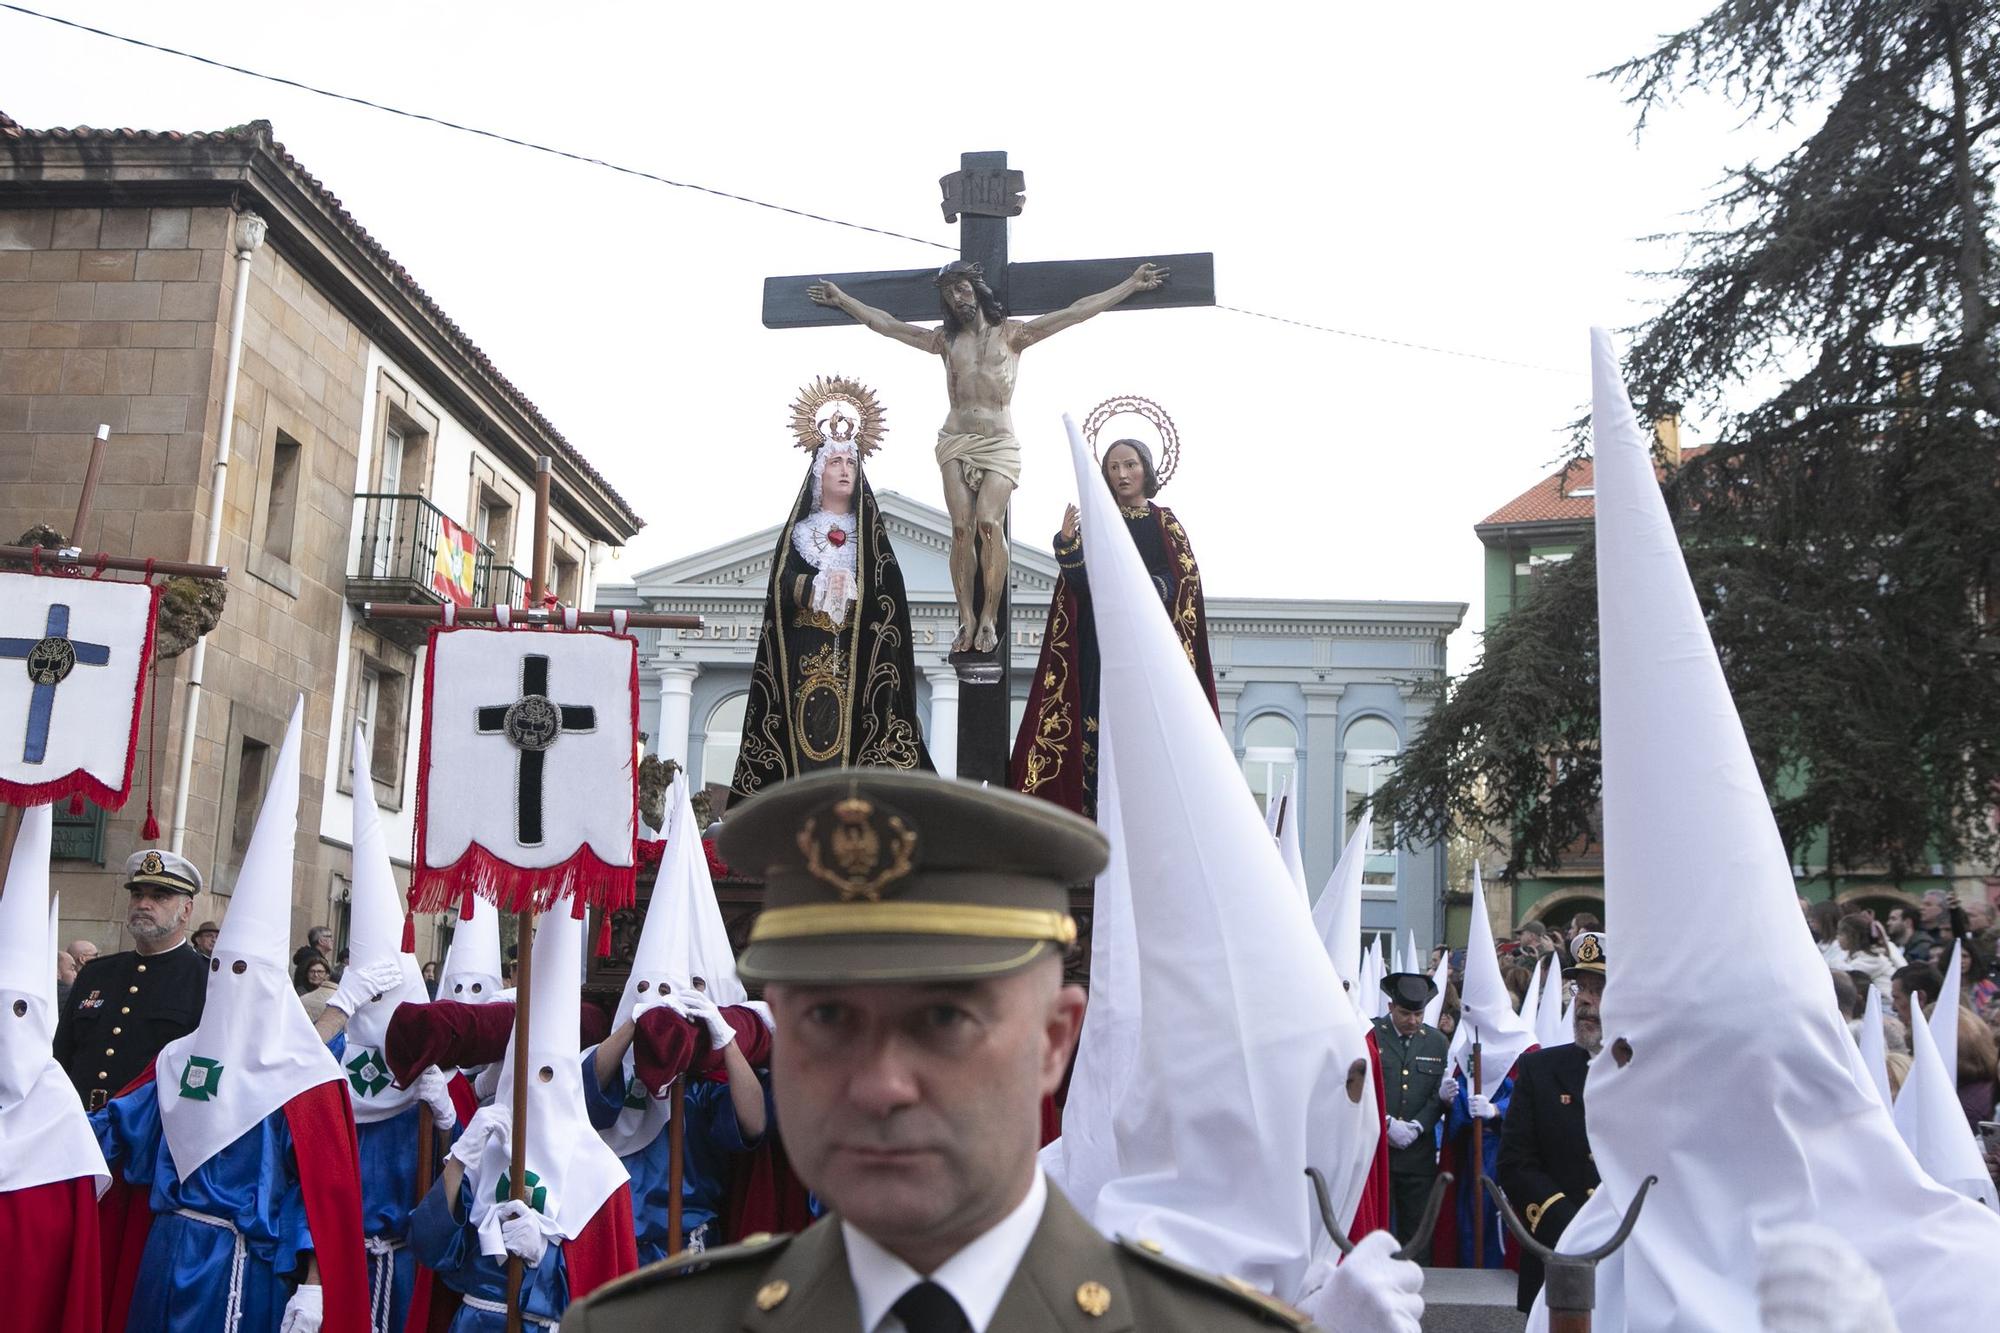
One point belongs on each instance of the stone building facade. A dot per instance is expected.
(366, 429)
(1325, 693)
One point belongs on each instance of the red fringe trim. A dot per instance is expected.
(78, 783)
(507, 886)
(650, 852)
(604, 932)
(512, 888)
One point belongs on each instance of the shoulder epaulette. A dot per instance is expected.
(694, 1261)
(1243, 1295)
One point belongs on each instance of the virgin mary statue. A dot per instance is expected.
(835, 681)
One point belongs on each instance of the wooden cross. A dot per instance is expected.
(980, 196)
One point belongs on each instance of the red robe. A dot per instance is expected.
(1373, 1212)
(49, 1235)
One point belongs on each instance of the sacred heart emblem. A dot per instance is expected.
(366, 1073)
(51, 660)
(537, 1193)
(201, 1079)
(869, 848)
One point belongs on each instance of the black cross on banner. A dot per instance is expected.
(531, 724)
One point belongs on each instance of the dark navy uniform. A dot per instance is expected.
(1545, 1164)
(123, 1008)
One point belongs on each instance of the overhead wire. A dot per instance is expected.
(642, 174)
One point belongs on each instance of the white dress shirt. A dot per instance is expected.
(977, 1276)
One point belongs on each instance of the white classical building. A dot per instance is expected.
(1325, 692)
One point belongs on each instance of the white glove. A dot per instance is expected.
(659, 999)
(434, 1091)
(302, 1311)
(1402, 1133)
(702, 1010)
(1482, 1107)
(1370, 1289)
(488, 1124)
(521, 1231)
(365, 984)
(762, 1010)
(1448, 1089)
(1810, 1280)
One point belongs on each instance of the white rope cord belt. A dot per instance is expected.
(500, 1307)
(381, 1279)
(232, 1309)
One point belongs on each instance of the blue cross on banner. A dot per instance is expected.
(49, 661)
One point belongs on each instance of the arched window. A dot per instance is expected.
(724, 736)
(1371, 747)
(1270, 754)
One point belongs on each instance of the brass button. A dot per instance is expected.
(755, 1238)
(125, 1009)
(1152, 1247)
(104, 1073)
(772, 1294)
(117, 1032)
(142, 967)
(110, 1051)
(1093, 1299)
(131, 990)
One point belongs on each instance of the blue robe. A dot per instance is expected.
(388, 1180)
(184, 1275)
(451, 1249)
(1457, 1128)
(712, 1135)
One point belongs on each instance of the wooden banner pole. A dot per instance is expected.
(677, 1151)
(89, 495)
(1479, 1162)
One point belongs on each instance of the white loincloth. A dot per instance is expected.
(980, 454)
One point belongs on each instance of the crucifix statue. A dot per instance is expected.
(981, 346)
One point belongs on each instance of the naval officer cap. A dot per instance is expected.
(1586, 955)
(876, 876)
(159, 869)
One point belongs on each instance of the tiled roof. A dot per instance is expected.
(257, 134)
(1564, 496)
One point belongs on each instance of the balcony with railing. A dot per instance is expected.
(411, 552)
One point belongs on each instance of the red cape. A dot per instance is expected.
(323, 1141)
(1373, 1212)
(49, 1235)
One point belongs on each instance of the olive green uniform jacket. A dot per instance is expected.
(1411, 1072)
(1071, 1278)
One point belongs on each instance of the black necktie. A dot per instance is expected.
(929, 1308)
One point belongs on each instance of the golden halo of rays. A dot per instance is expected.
(1133, 405)
(870, 422)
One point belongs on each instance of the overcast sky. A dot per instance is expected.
(1447, 174)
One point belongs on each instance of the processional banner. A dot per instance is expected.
(528, 779)
(73, 658)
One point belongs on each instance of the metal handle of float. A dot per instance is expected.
(1570, 1280)
(1419, 1242)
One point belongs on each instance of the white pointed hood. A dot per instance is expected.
(570, 1171)
(1373, 969)
(1486, 1012)
(255, 1049)
(1549, 1029)
(1874, 1047)
(44, 1135)
(1085, 1156)
(1288, 834)
(1440, 978)
(1944, 1015)
(1410, 960)
(1754, 1115)
(471, 971)
(1242, 1073)
(709, 951)
(375, 935)
(660, 965)
(1531, 1001)
(1931, 1121)
(1337, 914)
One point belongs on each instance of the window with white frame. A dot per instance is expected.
(1270, 754)
(724, 736)
(1371, 747)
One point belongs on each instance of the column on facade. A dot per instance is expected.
(1228, 699)
(942, 735)
(676, 704)
(1324, 828)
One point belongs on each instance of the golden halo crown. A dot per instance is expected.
(835, 407)
(1163, 425)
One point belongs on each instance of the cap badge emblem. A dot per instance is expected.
(862, 851)
(152, 864)
(1587, 949)
(1093, 1298)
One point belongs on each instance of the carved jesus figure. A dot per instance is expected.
(977, 449)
